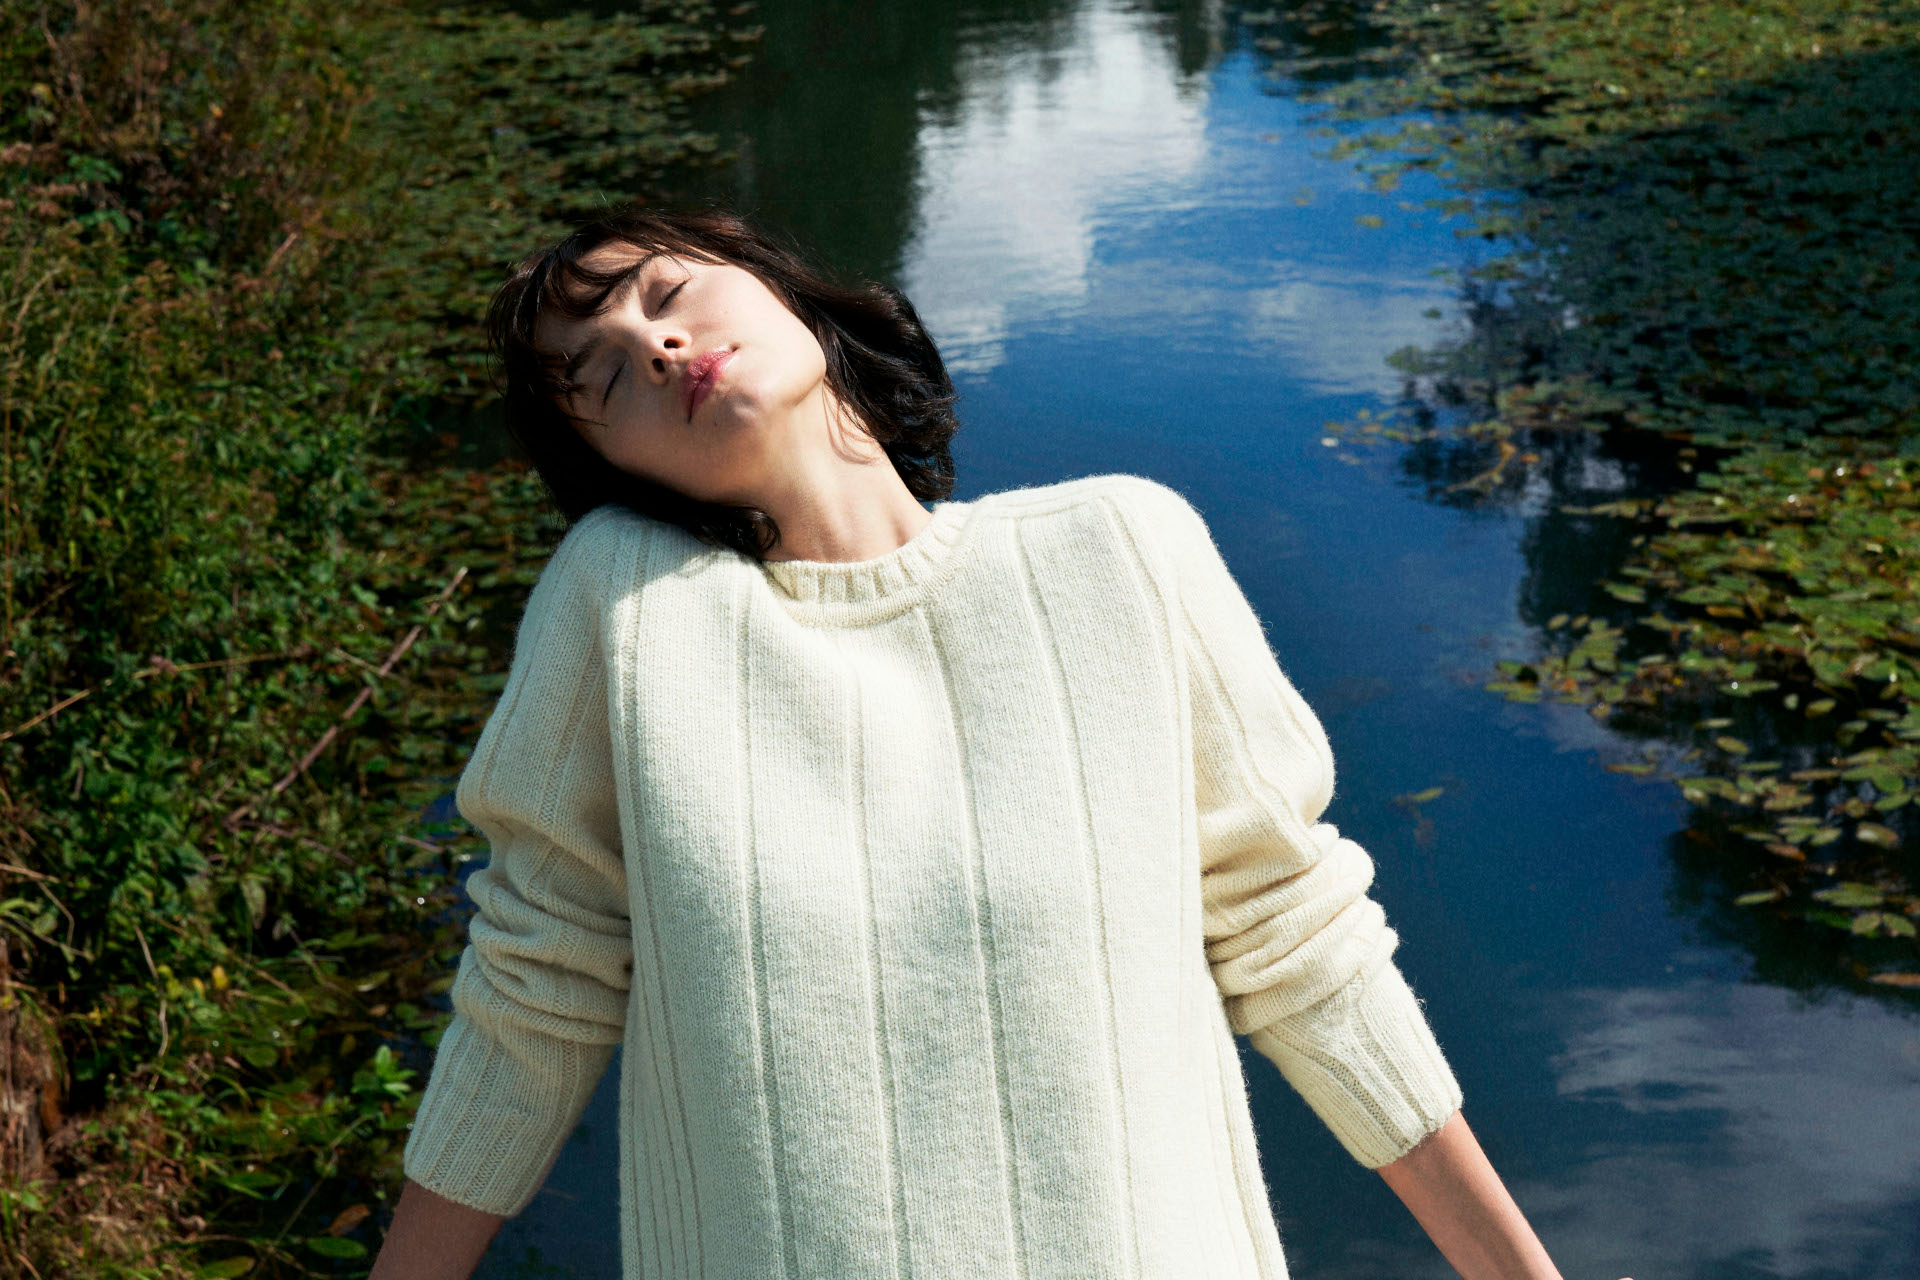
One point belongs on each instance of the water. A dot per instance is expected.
(1136, 258)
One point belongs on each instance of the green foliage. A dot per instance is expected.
(203, 128)
(1705, 232)
(243, 650)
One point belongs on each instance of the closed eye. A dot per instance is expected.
(668, 297)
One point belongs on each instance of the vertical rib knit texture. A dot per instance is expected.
(925, 894)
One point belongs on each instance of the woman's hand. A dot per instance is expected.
(1449, 1186)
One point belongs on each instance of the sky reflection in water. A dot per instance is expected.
(1102, 190)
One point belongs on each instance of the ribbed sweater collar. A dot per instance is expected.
(851, 590)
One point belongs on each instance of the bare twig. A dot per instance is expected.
(399, 651)
(49, 713)
(162, 1056)
(151, 968)
(352, 1129)
(157, 667)
(274, 828)
(280, 252)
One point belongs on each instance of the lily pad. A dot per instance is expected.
(1851, 894)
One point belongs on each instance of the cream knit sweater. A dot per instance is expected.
(925, 894)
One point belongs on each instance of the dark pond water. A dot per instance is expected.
(1137, 258)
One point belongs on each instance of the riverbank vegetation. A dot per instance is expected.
(1704, 287)
(248, 617)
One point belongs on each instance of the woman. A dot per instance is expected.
(925, 862)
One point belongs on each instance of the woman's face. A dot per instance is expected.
(693, 376)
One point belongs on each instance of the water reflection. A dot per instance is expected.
(1331, 325)
(1779, 1131)
(1711, 1129)
(829, 117)
(1022, 170)
(1033, 144)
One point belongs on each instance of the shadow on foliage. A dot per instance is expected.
(1750, 271)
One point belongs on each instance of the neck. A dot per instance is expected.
(843, 502)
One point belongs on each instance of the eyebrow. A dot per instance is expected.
(578, 362)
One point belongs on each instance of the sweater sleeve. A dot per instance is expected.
(1301, 955)
(539, 999)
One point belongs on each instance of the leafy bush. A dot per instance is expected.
(242, 653)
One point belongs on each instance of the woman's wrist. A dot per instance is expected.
(433, 1238)
(1451, 1189)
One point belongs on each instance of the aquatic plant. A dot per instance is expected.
(1705, 253)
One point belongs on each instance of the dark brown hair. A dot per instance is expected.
(881, 363)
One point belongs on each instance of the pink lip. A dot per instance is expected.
(700, 377)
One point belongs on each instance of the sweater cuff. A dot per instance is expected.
(491, 1122)
(1366, 1061)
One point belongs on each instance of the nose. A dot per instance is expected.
(664, 346)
